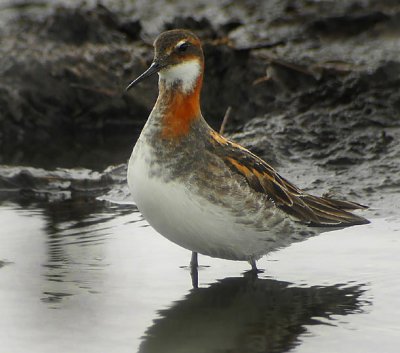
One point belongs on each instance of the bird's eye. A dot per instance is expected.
(182, 47)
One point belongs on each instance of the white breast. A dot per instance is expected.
(193, 222)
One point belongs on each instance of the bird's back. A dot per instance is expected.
(300, 205)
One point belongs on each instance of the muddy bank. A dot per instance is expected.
(313, 85)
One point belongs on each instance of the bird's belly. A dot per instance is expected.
(195, 223)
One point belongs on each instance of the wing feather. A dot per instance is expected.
(305, 208)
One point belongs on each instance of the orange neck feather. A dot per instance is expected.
(181, 110)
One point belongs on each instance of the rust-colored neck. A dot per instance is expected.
(179, 109)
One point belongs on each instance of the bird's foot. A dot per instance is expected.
(254, 268)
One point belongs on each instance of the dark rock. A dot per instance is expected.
(228, 81)
(28, 182)
(202, 27)
(346, 25)
(68, 73)
(231, 25)
(81, 25)
(131, 28)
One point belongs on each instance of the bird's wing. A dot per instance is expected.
(261, 177)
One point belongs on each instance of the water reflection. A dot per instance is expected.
(75, 231)
(247, 315)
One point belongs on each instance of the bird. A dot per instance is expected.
(204, 192)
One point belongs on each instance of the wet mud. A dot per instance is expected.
(312, 86)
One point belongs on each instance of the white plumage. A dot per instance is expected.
(187, 73)
(189, 220)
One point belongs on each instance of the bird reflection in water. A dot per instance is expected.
(245, 315)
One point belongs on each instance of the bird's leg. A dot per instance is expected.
(193, 261)
(253, 273)
(254, 268)
(194, 264)
(253, 264)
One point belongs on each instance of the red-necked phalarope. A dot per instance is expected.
(204, 192)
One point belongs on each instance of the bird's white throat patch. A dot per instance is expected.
(187, 73)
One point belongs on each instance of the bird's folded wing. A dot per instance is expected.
(305, 208)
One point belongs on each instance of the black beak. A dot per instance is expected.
(154, 67)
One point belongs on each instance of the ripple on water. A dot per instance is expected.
(76, 232)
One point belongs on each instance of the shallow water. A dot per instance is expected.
(90, 276)
(82, 275)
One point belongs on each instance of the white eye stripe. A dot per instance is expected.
(183, 41)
